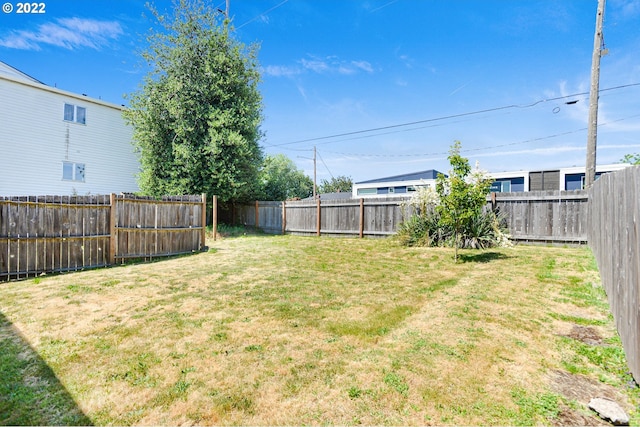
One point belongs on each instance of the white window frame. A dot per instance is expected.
(74, 113)
(72, 171)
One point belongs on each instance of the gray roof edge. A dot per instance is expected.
(15, 72)
(426, 174)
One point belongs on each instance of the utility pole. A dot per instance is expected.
(592, 136)
(314, 171)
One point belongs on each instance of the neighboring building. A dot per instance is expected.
(504, 182)
(59, 143)
(544, 180)
(340, 195)
(399, 185)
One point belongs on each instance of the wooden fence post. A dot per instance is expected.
(318, 218)
(113, 236)
(203, 233)
(361, 218)
(284, 217)
(214, 218)
(257, 215)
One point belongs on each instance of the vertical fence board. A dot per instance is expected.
(614, 236)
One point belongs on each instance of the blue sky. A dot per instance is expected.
(496, 75)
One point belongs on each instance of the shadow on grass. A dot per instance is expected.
(30, 392)
(482, 257)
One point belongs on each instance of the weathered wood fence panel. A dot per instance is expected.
(270, 217)
(301, 217)
(148, 228)
(344, 217)
(545, 216)
(383, 217)
(614, 237)
(542, 216)
(41, 234)
(266, 215)
(52, 233)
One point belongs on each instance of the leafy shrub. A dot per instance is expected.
(484, 230)
(454, 214)
(418, 230)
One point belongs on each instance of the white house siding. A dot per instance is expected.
(35, 140)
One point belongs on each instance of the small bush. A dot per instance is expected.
(454, 214)
(485, 230)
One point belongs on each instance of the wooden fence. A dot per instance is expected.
(542, 216)
(614, 238)
(344, 217)
(41, 234)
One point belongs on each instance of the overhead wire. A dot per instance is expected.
(487, 147)
(447, 117)
(325, 165)
(262, 14)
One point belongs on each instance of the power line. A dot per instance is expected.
(484, 148)
(262, 14)
(325, 165)
(452, 116)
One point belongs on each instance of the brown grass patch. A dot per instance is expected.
(290, 330)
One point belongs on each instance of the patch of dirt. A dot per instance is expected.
(585, 334)
(581, 389)
(570, 417)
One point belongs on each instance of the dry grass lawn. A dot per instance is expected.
(286, 330)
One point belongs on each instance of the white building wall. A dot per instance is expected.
(387, 184)
(35, 140)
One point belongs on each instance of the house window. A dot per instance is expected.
(501, 187)
(73, 171)
(364, 191)
(73, 113)
(392, 190)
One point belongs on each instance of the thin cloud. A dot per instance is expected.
(626, 8)
(383, 6)
(334, 65)
(327, 65)
(281, 71)
(363, 65)
(67, 33)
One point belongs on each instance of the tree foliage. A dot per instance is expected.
(339, 184)
(197, 115)
(632, 159)
(281, 180)
(462, 194)
(454, 214)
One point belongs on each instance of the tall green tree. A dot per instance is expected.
(342, 184)
(197, 115)
(281, 179)
(462, 194)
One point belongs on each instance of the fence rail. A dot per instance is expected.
(41, 234)
(614, 238)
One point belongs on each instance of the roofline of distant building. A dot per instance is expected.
(401, 177)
